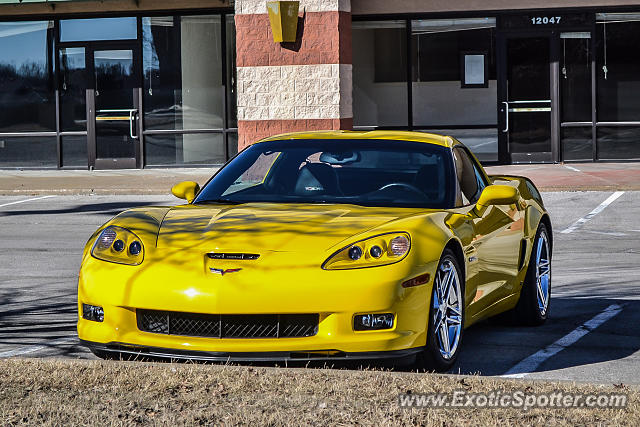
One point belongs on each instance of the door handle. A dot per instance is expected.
(506, 116)
(132, 118)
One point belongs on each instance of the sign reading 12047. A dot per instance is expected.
(545, 20)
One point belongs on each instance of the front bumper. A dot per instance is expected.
(271, 286)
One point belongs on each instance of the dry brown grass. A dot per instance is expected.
(64, 392)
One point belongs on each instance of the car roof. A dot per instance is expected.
(427, 138)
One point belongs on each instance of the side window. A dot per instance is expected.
(469, 177)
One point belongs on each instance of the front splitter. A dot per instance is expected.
(125, 351)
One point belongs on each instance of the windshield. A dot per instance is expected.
(361, 172)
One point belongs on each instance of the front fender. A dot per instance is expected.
(144, 222)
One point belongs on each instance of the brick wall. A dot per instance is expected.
(285, 87)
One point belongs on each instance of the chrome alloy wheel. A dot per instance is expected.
(543, 272)
(447, 309)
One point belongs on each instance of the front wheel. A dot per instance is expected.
(533, 305)
(446, 317)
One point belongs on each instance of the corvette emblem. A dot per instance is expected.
(222, 272)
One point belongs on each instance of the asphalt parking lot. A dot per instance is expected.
(591, 335)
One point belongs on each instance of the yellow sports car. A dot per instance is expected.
(321, 246)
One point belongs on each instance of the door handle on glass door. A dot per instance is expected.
(506, 116)
(132, 118)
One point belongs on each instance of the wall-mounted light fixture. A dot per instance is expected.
(283, 16)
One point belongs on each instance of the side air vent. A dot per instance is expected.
(236, 256)
(523, 251)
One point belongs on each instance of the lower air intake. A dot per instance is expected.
(228, 325)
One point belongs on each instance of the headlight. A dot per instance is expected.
(375, 251)
(117, 244)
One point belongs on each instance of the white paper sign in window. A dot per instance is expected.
(474, 68)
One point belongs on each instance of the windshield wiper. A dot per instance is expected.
(220, 201)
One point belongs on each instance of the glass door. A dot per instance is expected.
(576, 89)
(115, 109)
(528, 98)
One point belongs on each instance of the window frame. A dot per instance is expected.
(479, 174)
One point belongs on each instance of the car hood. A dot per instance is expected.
(255, 227)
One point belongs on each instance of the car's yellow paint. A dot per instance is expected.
(186, 190)
(496, 195)
(429, 138)
(294, 240)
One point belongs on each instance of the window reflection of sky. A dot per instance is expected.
(98, 29)
(24, 43)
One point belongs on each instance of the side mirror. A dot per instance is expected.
(186, 190)
(497, 195)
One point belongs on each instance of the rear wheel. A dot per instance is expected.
(446, 317)
(533, 306)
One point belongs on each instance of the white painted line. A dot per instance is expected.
(531, 363)
(572, 168)
(33, 348)
(26, 200)
(579, 223)
(607, 233)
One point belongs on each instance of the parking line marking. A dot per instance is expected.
(572, 168)
(531, 363)
(33, 348)
(26, 200)
(588, 217)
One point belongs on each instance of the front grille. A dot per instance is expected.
(228, 325)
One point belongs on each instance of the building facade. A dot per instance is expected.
(155, 83)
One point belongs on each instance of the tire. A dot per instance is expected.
(435, 355)
(533, 306)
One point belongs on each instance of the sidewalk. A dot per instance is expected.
(577, 176)
(124, 181)
(558, 177)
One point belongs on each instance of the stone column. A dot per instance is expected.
(286, 87)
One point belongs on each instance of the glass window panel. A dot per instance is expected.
(575, 79)
(618, 143)
(27, 94)
(73, 84)
(72, 30)
(528, 69)
(182, 64)
(232, 111)
(182, 149)
(530, 132)
(617, 94)
(577, 143)
(483, 143)
(74, 150)
(28, 151)
(438, 96)
(379, 74)
(232, 143)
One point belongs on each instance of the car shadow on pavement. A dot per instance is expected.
(493, 349)
(108, 209)
(27, 321)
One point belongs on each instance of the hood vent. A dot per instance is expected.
(234, 256)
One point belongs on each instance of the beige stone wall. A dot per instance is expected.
(260, 6)
(294, 92)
